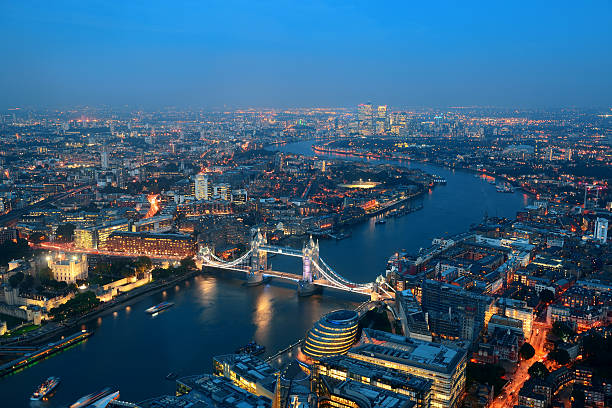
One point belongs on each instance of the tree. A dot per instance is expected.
(143, 264)
(65, 232)
(560, 356)
(527, 351)
(45, 274)
(546, 296)
(562, 330)
(538, 370)
(13, 250)
(16, 279)
(188, 263)
(27, 283)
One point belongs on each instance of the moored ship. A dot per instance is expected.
(45, 389)
(159, 307)
(251, 348)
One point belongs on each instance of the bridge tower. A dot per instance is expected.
(259, 259)
(310, 258)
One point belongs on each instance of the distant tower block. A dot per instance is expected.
(259, 260)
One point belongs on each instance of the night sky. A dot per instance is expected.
(306, 53)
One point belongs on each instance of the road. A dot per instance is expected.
(15, 214)
(509, 396)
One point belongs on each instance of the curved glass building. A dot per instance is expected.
(333, 334)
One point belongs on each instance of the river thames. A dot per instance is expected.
(133, 351)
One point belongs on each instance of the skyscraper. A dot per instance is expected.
(104, 158)
(601, 230)
(365, 119)
(201, 187)
(382, 120)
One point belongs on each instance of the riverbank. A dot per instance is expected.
(321, 149)
(104, 309)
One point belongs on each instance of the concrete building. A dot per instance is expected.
(455, 313)
(344, 368)
(444, 365)
(202, 187)
(601, 230)
(247, 372)
(414, 321)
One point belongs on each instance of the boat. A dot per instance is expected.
(89, 399)
(440, 180)
(380, 222)
(251, 348)
(171, 376)
(45, 389)
(504, 188)
(159, 307)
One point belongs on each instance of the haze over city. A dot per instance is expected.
(305, 54)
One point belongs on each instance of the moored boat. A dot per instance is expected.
(45, 389)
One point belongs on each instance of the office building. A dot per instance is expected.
(152, 244)
(601, 230)
(206, 391)
(247, 372)
(239, 196)
(202, 187)
(223, 192)
(365, 119)
(333, 334)
(443, 364)
(68, 268)
(85, 237)
(344, 368)
(455, 313)
(353, 394)
(103, 232)
(414, 322)
(516, 309)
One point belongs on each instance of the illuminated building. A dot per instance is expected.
(454, 312)
(517, 309)
(239, 196)
(103, 232)
(160, 223)
(333, 334)
(146, 243)
(206, 391)
(601, 230)
(202, 187)
(247, 372)
(443, 364)
(365, 119)
(344, 368)
(353, 394)
(68, 268)
(85, 237)
(414, 322)
(223, 191)
(8, 234)
(104, 158)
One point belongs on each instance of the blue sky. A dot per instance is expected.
(306, 53)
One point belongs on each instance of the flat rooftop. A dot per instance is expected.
(433, 356)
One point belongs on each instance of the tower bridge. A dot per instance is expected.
(316, 273)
